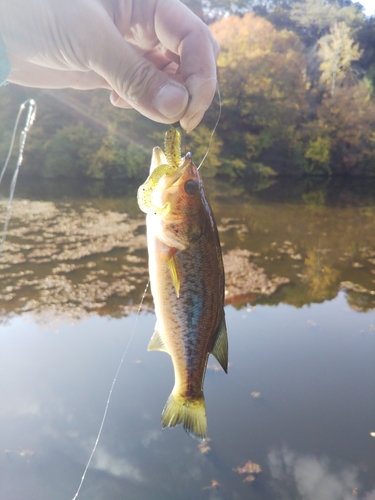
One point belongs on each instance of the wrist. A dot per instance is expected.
(4, 63)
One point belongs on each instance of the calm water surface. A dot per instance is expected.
(299, 399)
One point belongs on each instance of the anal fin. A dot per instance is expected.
(156, 342)
(220, 350)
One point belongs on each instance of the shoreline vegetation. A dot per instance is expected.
(297, 88)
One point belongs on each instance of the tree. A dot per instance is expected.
(217, 9)
(337, 51)
(262, 79)
(318, 16)
(347, 119)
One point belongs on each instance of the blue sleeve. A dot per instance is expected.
(4, 63)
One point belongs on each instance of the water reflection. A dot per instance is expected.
(54, 382)
(314, 478)
(72, 257)
(299, 397)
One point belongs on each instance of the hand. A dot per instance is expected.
(155, 56)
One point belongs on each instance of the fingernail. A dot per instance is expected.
(171, 100)
(195, 119)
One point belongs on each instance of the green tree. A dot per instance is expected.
(319, 153)
(199, 141)
(348, 119)
(70, 151)
(318, 16)
(263, 85)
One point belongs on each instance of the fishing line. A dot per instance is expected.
(133, 333)
(29, 121)
(110, 396)
(215, 127)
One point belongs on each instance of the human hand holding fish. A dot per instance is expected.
(155, 56)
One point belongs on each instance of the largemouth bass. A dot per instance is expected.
(187, 280)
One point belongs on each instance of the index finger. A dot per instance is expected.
(183, 33)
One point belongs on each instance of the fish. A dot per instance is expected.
(187, 280)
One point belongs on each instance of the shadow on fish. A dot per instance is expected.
(187, 280)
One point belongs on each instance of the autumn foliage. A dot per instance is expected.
(262, 75)
(277, 114)
(296, 82)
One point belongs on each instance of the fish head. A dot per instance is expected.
(182, 191)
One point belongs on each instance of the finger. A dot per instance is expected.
(160, 63)
(133, 78)
(189, 37)
(163, 61)
(32, 75)
(118, 102)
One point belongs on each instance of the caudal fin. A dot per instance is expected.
(191, 413)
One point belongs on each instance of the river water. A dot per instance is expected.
(299, 398)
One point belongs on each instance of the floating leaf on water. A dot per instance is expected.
(204, 447)
(214, 484)
(249, 479)
(216, 367)
(349, 286)
(244, 279)
(249, 468)
(134, 259)
(296, 256)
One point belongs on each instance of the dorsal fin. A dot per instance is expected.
(220, 350)
(156, 343)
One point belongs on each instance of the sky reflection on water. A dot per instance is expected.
(299, 399)
(309, 429)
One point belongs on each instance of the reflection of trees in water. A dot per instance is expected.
(359, 297)
(73, 259)
(320, 276)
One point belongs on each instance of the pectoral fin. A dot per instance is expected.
(172, 264)
(156, 342)
(220, 350)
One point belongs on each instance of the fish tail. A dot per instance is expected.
(191, 413)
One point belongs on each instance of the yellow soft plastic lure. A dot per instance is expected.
(171, 161)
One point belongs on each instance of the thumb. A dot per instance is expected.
(136, 80)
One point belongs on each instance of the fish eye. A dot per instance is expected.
(191, 187)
